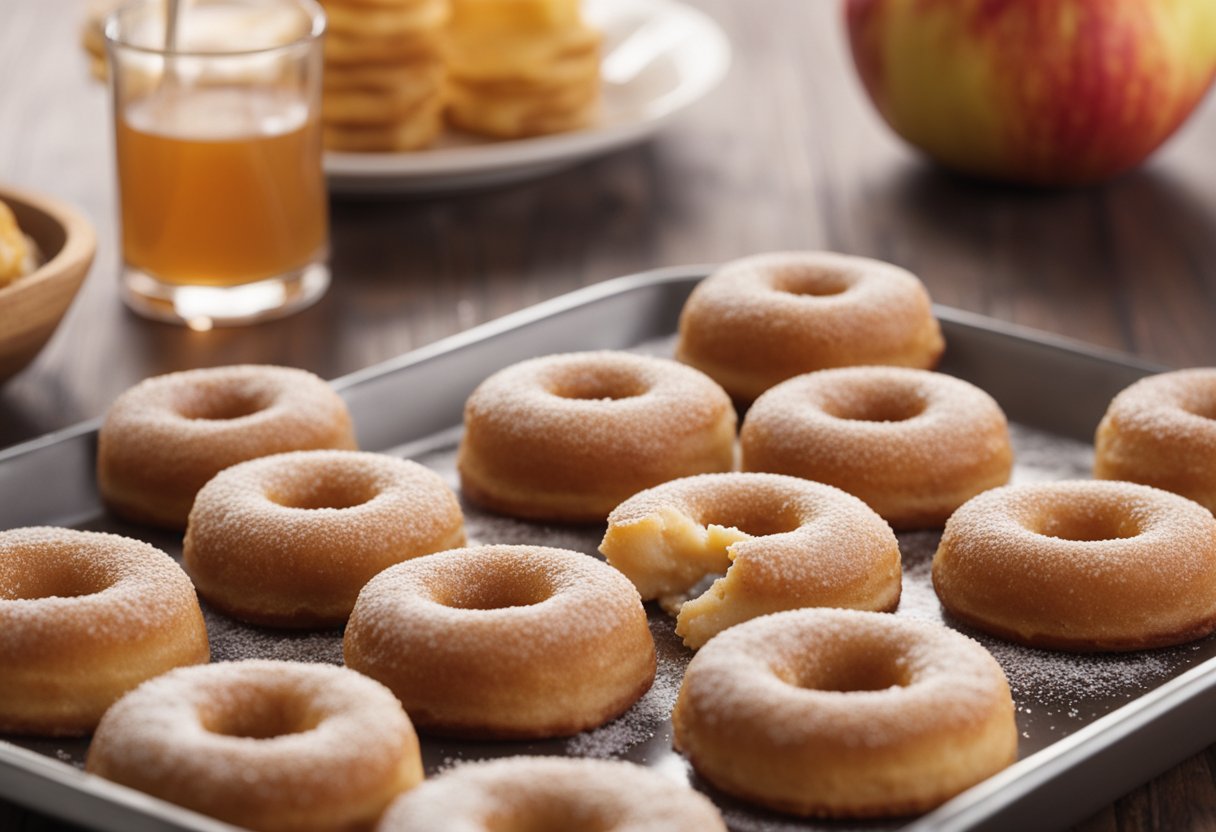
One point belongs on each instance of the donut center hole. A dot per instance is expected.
(36, 584)
(325, 492)
(262, 717)
(866, 671)
(497, 592)
(811, 282)
(879, 405)
(219, 405)
(1202, 403)
(598, 386)
(553, 815)
(755, 520)
(1104, 524)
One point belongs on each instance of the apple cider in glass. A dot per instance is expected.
(222, 195)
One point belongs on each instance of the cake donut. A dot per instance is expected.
(759, 321)
(504, 641)
(1081, 565)
(85, 617)
(265, 745)
(841, 713)
(783, 543)
(914, 445)
(568, 437)
(289, 540)
(533, 793)
(166, 436)
(1161, 432)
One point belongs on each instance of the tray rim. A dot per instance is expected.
(981, 802)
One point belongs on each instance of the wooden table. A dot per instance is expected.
(786, 154)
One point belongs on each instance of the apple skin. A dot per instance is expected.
(1037, 92)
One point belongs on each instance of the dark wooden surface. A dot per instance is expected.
(786, 154)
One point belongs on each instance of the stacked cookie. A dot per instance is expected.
(521, 67)
(384, 74)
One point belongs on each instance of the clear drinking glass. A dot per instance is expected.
(218, 138)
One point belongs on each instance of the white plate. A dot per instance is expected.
(659, 57)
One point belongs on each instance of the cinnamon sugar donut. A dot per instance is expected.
(758, 321)
(504, 641)
(533, 793)
(85, 617)
(840, 713)
(914, 445)
(264, 745)
(289, 540)
(1081, 566)
(1161, 431)
(166, 436)
(783, 543)
(568, 437)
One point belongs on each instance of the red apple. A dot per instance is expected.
(1044, 92)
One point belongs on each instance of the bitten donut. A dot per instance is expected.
(1081, 565)
(166, 436)
(783, 543)
(914, 445)
(568, 437)
(289, 540)
(1161, 431)
(840, 713)
(504, 641)
(534, 793)
(758, 321)
(264, 745)
(85, 617)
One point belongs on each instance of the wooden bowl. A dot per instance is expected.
(31, 306)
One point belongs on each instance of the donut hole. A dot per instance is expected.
(755, 519)
(497, 592)
(330, 490)
(867, 668)
(1201, 403)
(880, 404)
(604, 384)
(222, 404)
(555, 814)
(32, 584)
(811, 281)
(1087, 524)
(263, 716)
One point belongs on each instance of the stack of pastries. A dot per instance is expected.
(834, 705)
(384, 74)
(521, 67)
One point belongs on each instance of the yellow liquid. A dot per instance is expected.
(220, 186)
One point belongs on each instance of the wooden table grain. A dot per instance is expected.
(787, 154)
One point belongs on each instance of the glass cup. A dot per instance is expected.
(218, 138)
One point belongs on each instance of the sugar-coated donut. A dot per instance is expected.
(534, 793)
(914, 445)
(166, 436)
(758, 321)
(289, 540)
(1161, 431)
(568, 437)
(783, 543)
(1081, 565)
(504, 641)
(840, 713)
(85, 617)
(264, 745)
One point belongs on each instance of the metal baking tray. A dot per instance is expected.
(1091, 727)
